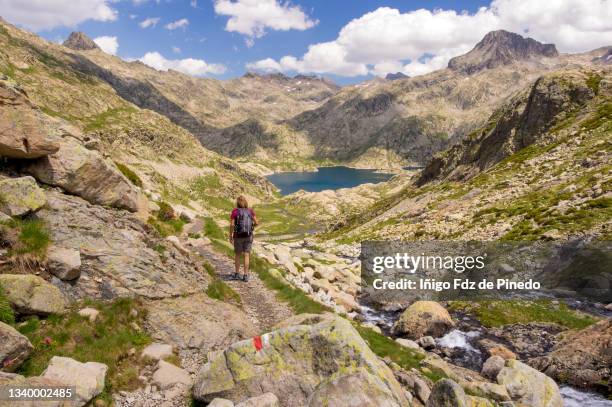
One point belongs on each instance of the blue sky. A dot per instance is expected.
(349, 40)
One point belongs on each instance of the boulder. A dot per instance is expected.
(218, 402)
(167, 375)
(265, 400)
(423, 318)
(87, 174)
(407, 343)
(87, 378)
(446, 393)
(157, 351)
(496, 349)
(427, 342)
(358, 389)
(13, 379)
(31, 295)
(301, 358)
(492, 367)
(20, 196)
(582, 359)
(14, 348)
(528, 387)
(64, 263)
(25, 131)
(89, 313)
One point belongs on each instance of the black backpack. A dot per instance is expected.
(243, 225)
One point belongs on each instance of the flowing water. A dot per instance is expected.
(325, 178)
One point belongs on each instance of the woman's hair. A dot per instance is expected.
(241, 202)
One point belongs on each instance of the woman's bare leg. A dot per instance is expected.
(246, 263)
(237, 263)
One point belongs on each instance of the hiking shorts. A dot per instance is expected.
(243, 244)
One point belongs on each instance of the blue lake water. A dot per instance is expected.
(325, 178)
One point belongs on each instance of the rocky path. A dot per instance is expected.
(260, 303)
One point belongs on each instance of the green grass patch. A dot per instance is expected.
(129, 174)
(167, 227)
(107, 118)
(495, 313)
(593, 82)
(28, 237)
(108, 340)
(213, 231)
(218, 289)
(602, 116)
(6, 312)
(282, 219)
(384, 346)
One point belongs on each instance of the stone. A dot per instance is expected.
(582, 358)
(219, 402)
(423, 318)
(359, 389)
(372, 326)
(89, 313)
(64, 263)
(157, 351)
(31, 295)
(427, 342)
(303, 356)
(446, 393)
(88, 378)
(198, 322)
(20, 196)
(176, 242)
(497, 349)
(407, 343)
(87, 174)
(265, 400)
(14, 348)
(26, 131)
(167, 375)
(492, 366)
(528, 387)
(12, 379)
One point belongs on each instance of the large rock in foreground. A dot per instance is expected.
(14, 348)
(31, 295)
(528, 387)
(309, 359)
(423, 318)
(87, 174)
(25, 132)
(20, 196)
(582, 359)
(87, 378)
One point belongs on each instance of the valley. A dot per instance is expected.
(116, 183)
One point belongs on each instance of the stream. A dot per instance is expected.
(460, 347)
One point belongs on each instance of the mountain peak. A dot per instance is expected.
(79, 41)
(500, 48)
(395, 76)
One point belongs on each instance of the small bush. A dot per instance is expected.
(166, 212)
(6, 312)
(129, 174)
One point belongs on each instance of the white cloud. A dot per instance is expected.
(190, 66)
(420, 41)
(149, 22)
(182, 23)
(40, 15)
(194, 3)
(253, 17)
(107, 44)
(176, 50)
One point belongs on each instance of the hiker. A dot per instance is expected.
(242, 224)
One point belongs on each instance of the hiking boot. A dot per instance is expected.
(245, 278)
(236, 276)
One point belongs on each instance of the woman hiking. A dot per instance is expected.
(242, 224)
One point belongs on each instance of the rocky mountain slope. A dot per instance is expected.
(538, 168)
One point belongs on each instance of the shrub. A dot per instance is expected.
(6, 312)
(166, 212)
(129, 174)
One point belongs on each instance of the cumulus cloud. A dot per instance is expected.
(44, 15)
(253, 17)
(107, 44)
(182, 23)
(190, 66)
(176, 50)
(420, 41)
(149, 22)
